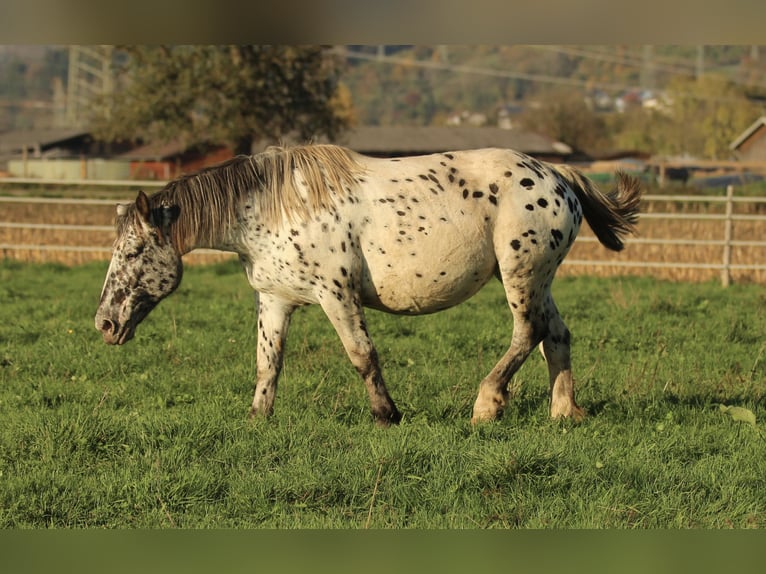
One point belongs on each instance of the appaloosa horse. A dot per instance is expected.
(413, 235)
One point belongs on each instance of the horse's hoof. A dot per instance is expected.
(385, 420)
(577, 414)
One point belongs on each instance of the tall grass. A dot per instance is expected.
(154, 434)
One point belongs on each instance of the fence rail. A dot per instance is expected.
(50, 182)
(728, 219)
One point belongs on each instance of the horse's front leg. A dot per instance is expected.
(347, 316)
(273, 323)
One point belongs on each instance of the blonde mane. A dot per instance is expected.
(326, 172)
(285, 183)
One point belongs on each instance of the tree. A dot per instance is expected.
(564, 116)
(709, 113)
(233, 95)
(700, 117)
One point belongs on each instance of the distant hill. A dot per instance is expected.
(438, 85)
(428, 84)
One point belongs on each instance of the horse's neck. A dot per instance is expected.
(209, 228)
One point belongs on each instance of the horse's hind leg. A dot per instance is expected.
(273, 322)
(347, 316)
(529, 328)
(555, 347)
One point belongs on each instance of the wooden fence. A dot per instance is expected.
(720, 242)
(728, 219)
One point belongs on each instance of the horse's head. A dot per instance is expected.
(145, 268)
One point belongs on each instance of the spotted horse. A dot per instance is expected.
(321, 224)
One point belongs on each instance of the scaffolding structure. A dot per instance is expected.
(90, 75)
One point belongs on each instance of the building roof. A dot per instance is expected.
(430, 139)
(154, 151)
(745, 135)
(15, 141)
(397, 140)
(416, 140)
(371, 140)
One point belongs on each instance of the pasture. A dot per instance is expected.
(154, 434)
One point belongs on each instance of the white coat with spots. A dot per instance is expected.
(323, 225)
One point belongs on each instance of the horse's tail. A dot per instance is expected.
(611, 216)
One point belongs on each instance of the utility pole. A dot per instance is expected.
(700, 61)
(647, 68)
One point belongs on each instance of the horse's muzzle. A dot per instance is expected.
(114, 333)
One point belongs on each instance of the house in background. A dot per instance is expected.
(399, 141)
(170, 160)
(75, 155)
(391, 141)
(751, 144)
(40, 144)
(58, 153)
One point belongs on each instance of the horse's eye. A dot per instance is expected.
(131, 255)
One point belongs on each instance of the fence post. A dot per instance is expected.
(661, 174)
(726, 271)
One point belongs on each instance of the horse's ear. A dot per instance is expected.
(142, 204)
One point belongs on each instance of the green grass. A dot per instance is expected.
(154, 434)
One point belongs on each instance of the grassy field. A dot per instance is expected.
(154, 434)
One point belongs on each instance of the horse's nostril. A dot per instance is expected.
(107, 326)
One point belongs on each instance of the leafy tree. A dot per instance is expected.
(26, 75)
(224, 94)
(701, 117)
(639, 129)
(709, 113)
(13, 79)
(564, 116)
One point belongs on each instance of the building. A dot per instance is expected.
(40, 144)
(75, 155)
(751, 144)
(169, 160)
(398, 141)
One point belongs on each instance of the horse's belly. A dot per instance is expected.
(406, 282)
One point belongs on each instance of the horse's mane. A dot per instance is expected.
(284, 183)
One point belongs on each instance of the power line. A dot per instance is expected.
(693, 67)
(625, 60)
(463, 69)
(381, 58)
